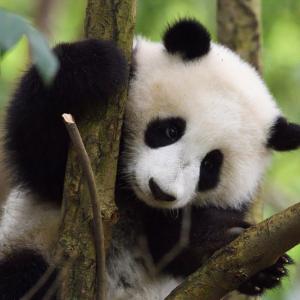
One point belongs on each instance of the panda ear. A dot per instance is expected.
(284, 136)
(188, 38)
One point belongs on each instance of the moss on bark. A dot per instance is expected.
(100, 131)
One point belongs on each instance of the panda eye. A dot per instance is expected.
(208, 164)
(164, 132)
(172, 133)
(210, 170)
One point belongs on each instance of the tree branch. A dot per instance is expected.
(97, 220)
(256, 249)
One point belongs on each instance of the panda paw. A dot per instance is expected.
(266, 279)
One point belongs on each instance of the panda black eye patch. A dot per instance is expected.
(210, 170)
(164, 132)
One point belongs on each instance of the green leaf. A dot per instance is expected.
(42, 57)
(12, 28)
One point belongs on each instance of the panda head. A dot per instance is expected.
(200, 123)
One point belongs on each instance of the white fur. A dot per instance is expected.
(144, 285)
(226, 106)
(28, 222)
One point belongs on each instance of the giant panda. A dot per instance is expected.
(199, 131)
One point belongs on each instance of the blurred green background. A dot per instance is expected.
(63, 20)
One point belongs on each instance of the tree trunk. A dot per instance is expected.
(239, 28)
(101, 134)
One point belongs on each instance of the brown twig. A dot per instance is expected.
(44, 278)
(256, 249)
(55, 284)
(97, 219)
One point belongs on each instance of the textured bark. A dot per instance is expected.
(239, 28)
(256, 249)
(101, 134)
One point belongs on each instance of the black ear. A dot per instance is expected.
(188, 38)
(284, 136)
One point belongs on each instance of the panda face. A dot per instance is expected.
(196, 131)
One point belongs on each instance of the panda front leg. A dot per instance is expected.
(222, 227)
(263, 280)
(211, 229)
(36, 142)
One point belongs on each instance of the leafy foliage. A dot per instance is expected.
(12, 28)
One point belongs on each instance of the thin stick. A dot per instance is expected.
(97, 219)
(43, 279)
(40, 283)
(55, 284)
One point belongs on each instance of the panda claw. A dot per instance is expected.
(285, 260)
(257, 289)
(282, 271)
(267, 278)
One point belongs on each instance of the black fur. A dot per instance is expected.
(210, 170)
(284, 136)
(36, 144)
(20, 271)
(209, 232)
(188, 38)
(266, 279)
(164, 132)
(36, 141)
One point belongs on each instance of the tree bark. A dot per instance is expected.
(101, 135)
(239, 28)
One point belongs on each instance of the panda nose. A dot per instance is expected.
(158, 193)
